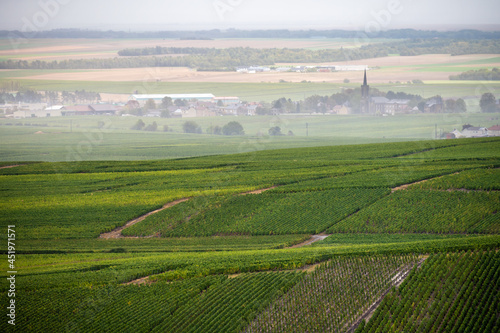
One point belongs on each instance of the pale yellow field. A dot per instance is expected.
(382, 70)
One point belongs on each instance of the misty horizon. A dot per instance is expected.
(150, 15)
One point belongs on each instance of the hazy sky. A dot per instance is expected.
(127, 15)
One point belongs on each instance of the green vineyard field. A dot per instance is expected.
(406, 240)
(456, 292)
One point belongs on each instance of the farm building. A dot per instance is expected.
(474, 132)
(89, 110)
(104, 109)
(227, 100)
(142, 98)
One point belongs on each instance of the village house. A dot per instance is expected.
(341, 109)
(383, 105)
(434, 105)
(494, 130)
(475, 132)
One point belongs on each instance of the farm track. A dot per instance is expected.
(405, 186)
(258, 191)
(399, 277)
(117, 233)
(314, 238)
(11, 166)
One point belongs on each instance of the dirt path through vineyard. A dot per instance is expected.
(117, 233)
(11, 166)
(314, 238)
(397, 279)
(405, 186)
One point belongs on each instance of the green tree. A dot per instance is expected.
(216, 130)
(460, 106)
(166, 102)
(233, 128)
(180, 102)
(450, 105)
(151, 127)
(262, 111)
(487, 102)
(191, 127)
(139, 125)
(150, 104)
(275, 131)
(165, 114)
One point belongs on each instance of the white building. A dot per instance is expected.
(143, 98)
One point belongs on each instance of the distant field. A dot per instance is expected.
(383, 70)
(68, 48)
(86, 142)
(386, 73)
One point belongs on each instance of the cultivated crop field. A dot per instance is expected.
(410, 237)
(386, 73)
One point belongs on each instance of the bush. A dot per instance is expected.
(152, 127)
(139, 125)
(275, 131)
(191, 127)
(233, 128)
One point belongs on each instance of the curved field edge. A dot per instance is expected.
(83, 269)
(241, 298)
(122, 196)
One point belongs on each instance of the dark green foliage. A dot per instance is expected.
(68, 280)
(233, 128)
(455, 292)
(191, 127)
(424, 211)
(480, 74)
(334, 296)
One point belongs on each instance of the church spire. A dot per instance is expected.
(365, 96)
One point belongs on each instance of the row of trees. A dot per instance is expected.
(229, 58)
(231, 128)
(321, 104)
(51, 97)
(481, 74)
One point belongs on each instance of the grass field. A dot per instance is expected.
(79, 138)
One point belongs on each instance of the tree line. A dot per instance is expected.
(52, 97)
(481, 74)
(230, 58)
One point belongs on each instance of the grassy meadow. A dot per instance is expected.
(80, 138)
